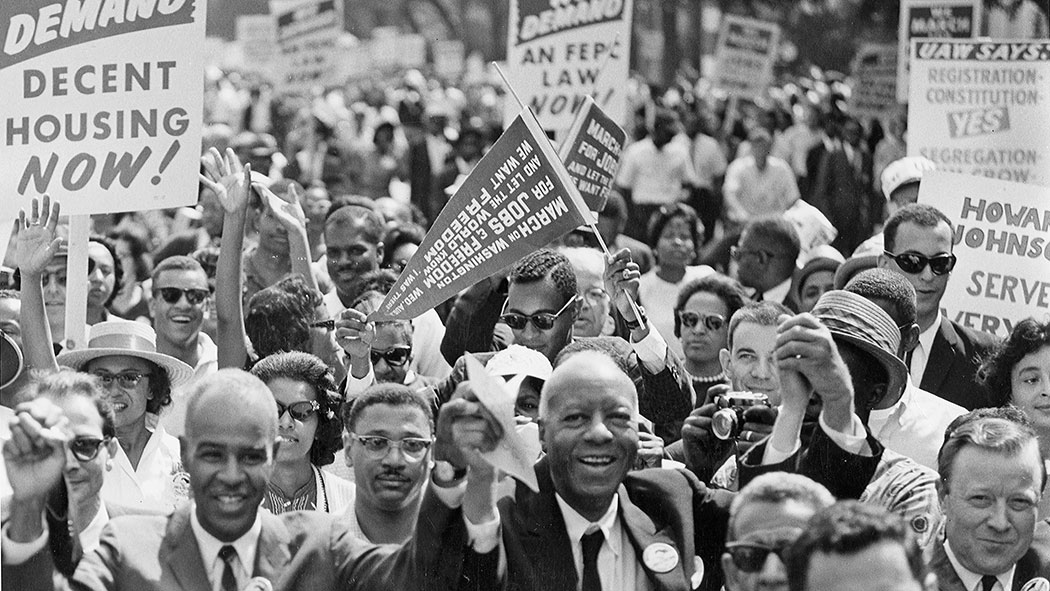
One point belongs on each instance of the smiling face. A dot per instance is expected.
(129, 404)
(701, 344)
(929, 288)
(393, 481)
(991, 505)
(1030, 388)
(102, 281)
(750, 366)
(297, 436)
(589, 431)
(541, 297)
(350, 253)
(179, 322)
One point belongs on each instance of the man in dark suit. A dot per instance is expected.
(221, 540)
(918, 241)
(594, 524)
(992, 477)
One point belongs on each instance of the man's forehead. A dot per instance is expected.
(185, 278)
(392, 418)
(757, 337)
(912, 235)
(537, 295)
(349, 231)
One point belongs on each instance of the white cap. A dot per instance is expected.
(906, 170)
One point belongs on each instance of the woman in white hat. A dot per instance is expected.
(123, 355)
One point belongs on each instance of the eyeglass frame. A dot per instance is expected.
(98, 443)
(202, 294)
(315, 408)
(547, 316)
(374, 353)
(106, 379)
(763, 256)
(701, 317)
(778, 550)
(392, 443)
(924, 261)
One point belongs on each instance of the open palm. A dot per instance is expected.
(227, 179)
(36, 240)
(288, 212)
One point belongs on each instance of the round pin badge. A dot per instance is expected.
(660, 557)
(1037, 584)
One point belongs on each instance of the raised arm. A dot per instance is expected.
(230, 182)
(36, 243)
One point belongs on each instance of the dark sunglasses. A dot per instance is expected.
(913, 263)
(750, 557)
(86, 449)
(395, 356)
(328, 325)
(126, 380)
(172, 295)
(541, 320)
(711, 321)
(299, 411)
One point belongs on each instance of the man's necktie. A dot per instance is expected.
(988, 582)
(591, 543)
(229, 580)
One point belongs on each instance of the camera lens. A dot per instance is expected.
(725, 424)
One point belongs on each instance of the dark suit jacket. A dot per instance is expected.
(951, 367)
(1035, 563)
(656, 505)
(305, 550)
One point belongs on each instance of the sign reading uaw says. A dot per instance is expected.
(982, 107)
(1001, 232)
(102, 102)
(560, 51)
(517, 199)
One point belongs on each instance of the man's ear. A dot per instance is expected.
(380, 250)
(909, 338)
(347, 458)
(184, 449)
(723, 358)
(878, 394)
(540, 424)
(730, 571)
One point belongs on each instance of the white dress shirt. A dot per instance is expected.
(156, 485)
(920, 355)
(618, 565)
(210, 545)
(914, 427)
(972, 580)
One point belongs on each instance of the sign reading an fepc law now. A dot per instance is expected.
(560, 51)
(516, 200)
(1001, 232)
(982, 107)
(102, 103)
(746, 51)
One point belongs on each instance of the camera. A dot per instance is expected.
(728, 421)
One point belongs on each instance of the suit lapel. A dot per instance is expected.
(546, 538)
(947, 578)
(642, 532)
(181, 552)
(939, 360)
(271, 555)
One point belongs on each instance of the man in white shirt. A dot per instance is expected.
(758, 184)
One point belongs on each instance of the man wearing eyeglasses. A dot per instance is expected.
(180, 296)
(764, 520)
(765, 259)
(918, 241)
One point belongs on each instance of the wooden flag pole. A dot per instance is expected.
(592, 225)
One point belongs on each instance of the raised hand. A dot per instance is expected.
(35, 455)
(36, 240)
(621, 280)
(465, 429)
(225, 176)
(288, 212)
(354, 333)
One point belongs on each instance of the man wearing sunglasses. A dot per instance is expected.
(180, 298)
(918, 240)
(764, 519)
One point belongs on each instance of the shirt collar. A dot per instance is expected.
(91, 534)
(972, 580)
(577, 525)
(898, 409)
(210, 545)
(926, 337)
(778, 292)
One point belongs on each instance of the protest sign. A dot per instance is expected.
(308, 34)
(982, 107)
(875, 81)
(746, 51)
(560, 52)
(1001, 232)
(257, 36)
(392, 50)
(449, 58)
(102, 105)
(927, 19)
(591, 153)
(517, 199)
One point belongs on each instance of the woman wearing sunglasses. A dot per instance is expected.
(1017, 372)
(309, 433)
(701, 324)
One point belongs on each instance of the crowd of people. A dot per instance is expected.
(717, 402)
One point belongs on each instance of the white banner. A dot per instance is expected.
(920, 19)
(1002, 240)
(982, 107)
(746, 51)
(308, 34)
(257, 36)
(560, 52)
(874, 72)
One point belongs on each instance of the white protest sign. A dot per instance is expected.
(560, 52)
(308, 34)
(982, 107)
(102, 108)
(257, 35)
(449, 58)
(746, 51)
(1002, 240)
(919, 19)
(874, 71)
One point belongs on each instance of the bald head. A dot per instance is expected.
(585, 370)
(231, 395)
